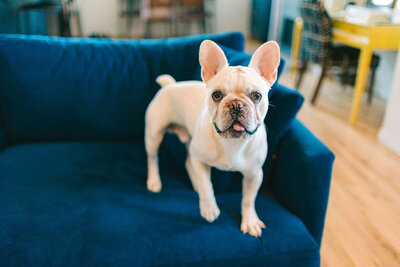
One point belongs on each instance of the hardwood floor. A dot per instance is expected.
(336, 100)
(362, 226)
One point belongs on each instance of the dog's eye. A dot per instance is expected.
(217, 95)
(256, 96)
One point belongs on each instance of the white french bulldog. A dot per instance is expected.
(222, 123)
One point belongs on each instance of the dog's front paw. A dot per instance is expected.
(209, 210)
(154, 184)
(252, 225)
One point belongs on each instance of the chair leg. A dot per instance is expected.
(209, 23)
(302, 69)
(371, 86)
(344, 74)
(78, 19)
(203, 26)
(171, 28)
(129, 22)
(147, 32)
(318, 88)
(176, 27)
(187, 28)
(65, 22)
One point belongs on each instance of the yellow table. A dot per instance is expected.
(366, 37)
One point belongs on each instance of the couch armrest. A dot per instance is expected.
(302, 175)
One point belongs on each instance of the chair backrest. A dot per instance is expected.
(156, 9)
(160, 3)
(192, 3)
(317, 32)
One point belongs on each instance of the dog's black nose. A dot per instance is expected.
(236, 106)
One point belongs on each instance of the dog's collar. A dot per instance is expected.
(249, 132)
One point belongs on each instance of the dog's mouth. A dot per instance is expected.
(237, 127)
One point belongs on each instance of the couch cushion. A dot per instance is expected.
(56, 89)
(284, 105)
(85, 204)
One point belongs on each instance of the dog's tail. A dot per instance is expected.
(164, 80)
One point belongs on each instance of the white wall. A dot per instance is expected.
(98, 16)
(390, 131)
(334, 5)
(233, 15)
(384, 73)
(101, 16)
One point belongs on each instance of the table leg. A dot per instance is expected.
(296, 44)
(362, 74)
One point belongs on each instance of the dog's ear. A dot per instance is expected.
(266, 60)
(212, 59)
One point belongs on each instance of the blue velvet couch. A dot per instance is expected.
(73, 164)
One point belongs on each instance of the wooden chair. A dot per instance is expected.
(129, 11)
(192, 11)
(317, 47)
(157, 11)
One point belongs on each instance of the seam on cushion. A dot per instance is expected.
(242, 258)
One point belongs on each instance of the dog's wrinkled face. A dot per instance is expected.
(237, 101)
(238, 96)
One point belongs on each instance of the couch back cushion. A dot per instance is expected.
(60, 89)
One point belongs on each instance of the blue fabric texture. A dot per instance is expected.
(73, 171)
(301, 162)
(284, 105)
(57, 89)
(91, 208)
